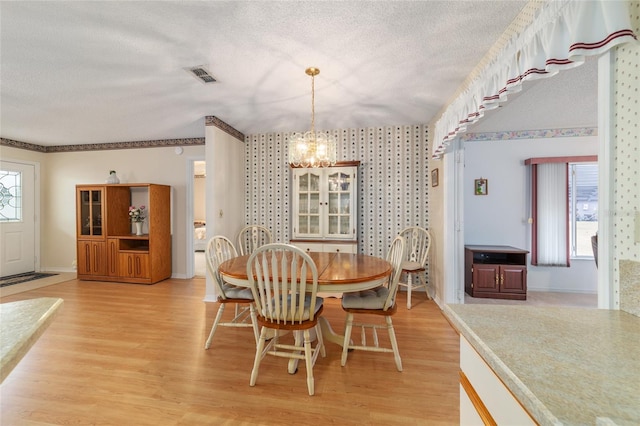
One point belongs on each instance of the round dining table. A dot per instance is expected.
(337, 273)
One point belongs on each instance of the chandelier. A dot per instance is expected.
(312, 149)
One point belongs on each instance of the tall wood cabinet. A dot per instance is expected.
(107, 247)
(325, 205)
(498, 272)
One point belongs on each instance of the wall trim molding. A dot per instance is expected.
(211, 120)
(101, 146)
(530, 134)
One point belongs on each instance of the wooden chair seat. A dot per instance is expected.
(388, 312)
(262, 321)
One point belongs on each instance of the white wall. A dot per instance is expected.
(61, 172)
(225, 188)
(500, 218)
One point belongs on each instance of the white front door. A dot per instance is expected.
(17, 218)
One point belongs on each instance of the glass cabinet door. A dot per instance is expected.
(309, 204)
(339, 214)
(90, 212)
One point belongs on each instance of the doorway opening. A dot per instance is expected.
(196, 206)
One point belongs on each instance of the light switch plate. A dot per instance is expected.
(637, 226)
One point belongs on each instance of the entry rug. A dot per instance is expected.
(23, 278)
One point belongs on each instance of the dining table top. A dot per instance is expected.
(337, 272)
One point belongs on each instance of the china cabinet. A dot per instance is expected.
(324, 214)
(108, 248)
(498, 272)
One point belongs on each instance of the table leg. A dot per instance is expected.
(328, 334)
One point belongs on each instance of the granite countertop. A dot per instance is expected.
(569, 366)
(21, 323)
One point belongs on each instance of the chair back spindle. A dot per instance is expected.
(251, 237)
(219, 249)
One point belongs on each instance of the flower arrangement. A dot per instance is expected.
(136, 214)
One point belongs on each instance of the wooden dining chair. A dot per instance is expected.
(220, 249)
(418, 243)
(251, 237)
(284, 282)
(380, 301)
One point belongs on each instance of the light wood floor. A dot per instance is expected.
(124, 354)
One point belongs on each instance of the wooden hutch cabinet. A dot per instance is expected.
(108, 249)
(324, 214)
(498, 272)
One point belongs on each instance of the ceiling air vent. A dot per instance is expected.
(202, 74)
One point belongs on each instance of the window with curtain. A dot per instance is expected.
(563, 198)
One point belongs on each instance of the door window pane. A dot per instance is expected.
(10, 196)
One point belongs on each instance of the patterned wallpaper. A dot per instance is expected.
(393, 179)
(626, 252)
(627, 155)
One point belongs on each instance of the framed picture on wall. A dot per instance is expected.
(481, 186)
(434, 177)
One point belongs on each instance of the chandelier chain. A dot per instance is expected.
(313, 103)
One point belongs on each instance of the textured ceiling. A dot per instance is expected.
(93, 72)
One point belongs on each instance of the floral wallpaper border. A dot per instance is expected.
(211, 120)
(530, 134)
(101, 146)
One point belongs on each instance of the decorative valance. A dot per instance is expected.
(563, 33)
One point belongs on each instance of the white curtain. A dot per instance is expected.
(552, 209)
(562, 34)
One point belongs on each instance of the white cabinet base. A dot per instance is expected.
(339, 247)
(484, 399)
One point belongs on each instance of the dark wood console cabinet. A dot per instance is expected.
(498, 272)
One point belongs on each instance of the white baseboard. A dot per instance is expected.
(560, 290)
